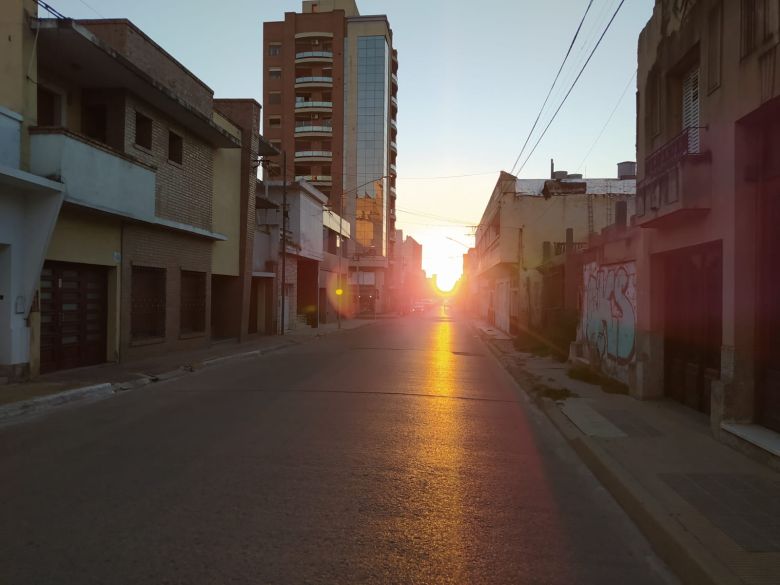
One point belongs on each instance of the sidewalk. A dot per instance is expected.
(712, 513)
(68, 385)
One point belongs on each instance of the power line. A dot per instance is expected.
(539, 115)
(50, 9)
(432, 216)
(92, 9)
(568, 93)
(611, 115)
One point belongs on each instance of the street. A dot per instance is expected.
(400, 452)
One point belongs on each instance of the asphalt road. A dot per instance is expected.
(400, 452)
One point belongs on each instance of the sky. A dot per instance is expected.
(472, 77)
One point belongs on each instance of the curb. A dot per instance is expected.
(679, 548)
(25, 407)
(685, 555)
(16, 410)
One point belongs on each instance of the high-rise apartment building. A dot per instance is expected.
(329, 92)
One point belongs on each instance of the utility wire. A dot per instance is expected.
(611, 115)
(557, 75)
(568, 93)
(91, 8)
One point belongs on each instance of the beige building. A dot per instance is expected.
(524, 223)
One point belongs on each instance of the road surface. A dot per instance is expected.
(400, 452)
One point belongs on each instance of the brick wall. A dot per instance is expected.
(159, 248)
(129, 41)
(184, 191)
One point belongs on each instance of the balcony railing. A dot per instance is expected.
(394, 77)
(394, 101)
(394, 125)
(688, 142)
(393, 170)
(315, 179)
(314, 55)
(326, 154)
(307, 129)
(312, 104)
(393, 146)
(314, 80)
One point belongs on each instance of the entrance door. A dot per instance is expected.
(768, 308)
(73, 300)
(693, 330)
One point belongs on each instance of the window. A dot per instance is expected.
(143, 130)
(175, 147)
(274, 74)
(147, 303)
(275, 98)
(690, 109)
(49, 107)
(193, 302)
(715, 46)
(274, 50)
(275, 122)
(95, 122)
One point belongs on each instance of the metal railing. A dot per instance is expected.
(315, 79)
(311, 104)
(686, 143)
(303, 129)
(314, 55)
(314, 154)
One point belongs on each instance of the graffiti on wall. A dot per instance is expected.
(608, 323)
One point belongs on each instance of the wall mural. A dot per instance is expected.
(608, 323)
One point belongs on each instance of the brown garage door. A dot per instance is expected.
(73, 315)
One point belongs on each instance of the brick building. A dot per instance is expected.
(330, 94)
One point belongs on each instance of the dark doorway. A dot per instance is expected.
(768, 298)
(74, 314)
(693, 323)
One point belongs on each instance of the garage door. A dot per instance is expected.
(73, 299)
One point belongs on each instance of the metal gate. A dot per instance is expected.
(73, 302)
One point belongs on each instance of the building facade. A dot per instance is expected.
(524, 225)
(140, 231)
(330, 93)
(709, 108)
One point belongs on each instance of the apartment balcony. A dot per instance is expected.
(94, 175)
(393, 124)
(316, 180)
(677, 182)
(313, 156)
(394, 101)
(314, 57)
(310, 130)
(393, 192)
(393, 146)
(312, 106)
(394, 78)
(393, 170)
(313, 82)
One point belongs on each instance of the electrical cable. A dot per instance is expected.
(573, 85)
(546, 99)
(611, 115)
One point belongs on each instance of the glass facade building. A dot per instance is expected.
(373, 74)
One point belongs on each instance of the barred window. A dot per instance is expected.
(147, 312)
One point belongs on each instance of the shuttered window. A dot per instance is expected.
(690, 109)
(193, 302)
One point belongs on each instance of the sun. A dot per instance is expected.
(446, 281)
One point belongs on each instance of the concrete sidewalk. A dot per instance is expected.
(99, 381)
(711, 512)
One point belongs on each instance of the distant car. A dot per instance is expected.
(419, 307)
